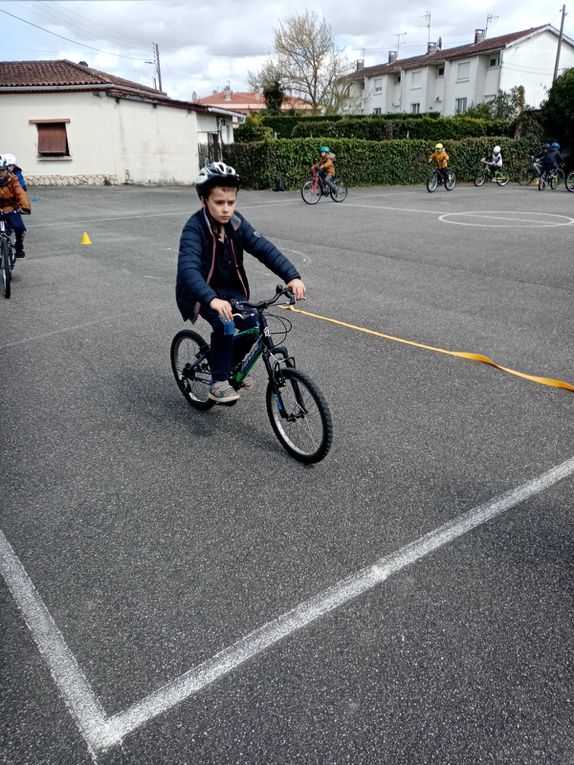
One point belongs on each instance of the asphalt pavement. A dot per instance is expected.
(177, 589)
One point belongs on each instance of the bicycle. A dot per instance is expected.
(436, 179)
(296, 408)
(552, 178)
(7, 254)
(530, 173)
(315, 187)
(488, 173)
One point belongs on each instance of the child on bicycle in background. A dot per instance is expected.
(210, 271)
(495, 160)
(440, 158)
(326, 167)
(12, 199)
(551, 158)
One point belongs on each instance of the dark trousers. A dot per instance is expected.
(225, 351)
(17, 224)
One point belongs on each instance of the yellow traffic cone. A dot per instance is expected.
(85, 238)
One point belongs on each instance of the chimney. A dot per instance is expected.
(479, 35)
(360, 64)
(392, 56)
(431, 48)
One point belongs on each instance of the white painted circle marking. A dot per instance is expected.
(507, 219)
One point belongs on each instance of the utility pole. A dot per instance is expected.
(157, 65)
(559, 45)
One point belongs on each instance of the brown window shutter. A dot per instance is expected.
(52, 138)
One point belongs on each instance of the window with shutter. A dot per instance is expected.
(52, 138)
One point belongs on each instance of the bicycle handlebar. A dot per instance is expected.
(280, 291)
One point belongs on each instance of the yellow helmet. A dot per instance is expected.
(439, 146)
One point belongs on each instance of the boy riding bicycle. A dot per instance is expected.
(326, 167)
(13, 198)
(440, 158)
(210, 271)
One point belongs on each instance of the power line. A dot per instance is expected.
(68, 39)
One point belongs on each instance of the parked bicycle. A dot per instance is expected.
(296, 408)
(315, 187)
(552, 178)
(7, 254)
(488, 173)
(436, 178)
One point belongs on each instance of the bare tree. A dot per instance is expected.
(305, 62)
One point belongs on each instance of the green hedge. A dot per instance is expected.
(425, 128)
(367, 163)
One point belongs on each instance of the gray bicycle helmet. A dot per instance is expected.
(215, 174)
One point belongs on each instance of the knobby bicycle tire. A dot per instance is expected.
(300, 416)
(309, 195)
(6, 268)
(526, 176)
(480, 178)
(450, 182)
(432, 181)
(190, 366)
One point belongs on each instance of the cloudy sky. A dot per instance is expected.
(206, 44)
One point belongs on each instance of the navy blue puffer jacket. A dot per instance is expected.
(195, 265)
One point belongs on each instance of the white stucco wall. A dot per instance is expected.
(118, 140)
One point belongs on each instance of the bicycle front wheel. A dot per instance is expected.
(556, 179)
(569, 182)
(432, 181)
(480, 178)
(526, 176)
(450, 182)
(191, 369)
(300, 416)
(311, 192)
(341, 192)
(6, 268)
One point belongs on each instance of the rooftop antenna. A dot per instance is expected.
(490, 17)
(427, 18)
(398, 35)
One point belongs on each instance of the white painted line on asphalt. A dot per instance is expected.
(101, 732)
(313, 609)
(507, 219)
(69, 678)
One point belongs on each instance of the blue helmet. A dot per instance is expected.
(555, 145)
(324, 148)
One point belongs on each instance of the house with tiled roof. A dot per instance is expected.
(67, 123)
(251, 103)
(449, 81)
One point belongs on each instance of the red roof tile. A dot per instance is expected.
(46, 74)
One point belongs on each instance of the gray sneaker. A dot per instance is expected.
(223, 393)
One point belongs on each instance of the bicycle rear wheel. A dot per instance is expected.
(502, 178)
(311, 192)
(191, 369)
(300, 416)
(450, 182)
(6, 267)
(432, 181)
(341, 193)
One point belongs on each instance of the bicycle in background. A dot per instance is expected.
(315, 187)
(7, 254)
(530, 172)
(436, 178)
(552, 178)
(296, 408)
(488, 173)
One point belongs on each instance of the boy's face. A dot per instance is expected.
(221, 203)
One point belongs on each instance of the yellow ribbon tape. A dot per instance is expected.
(460, 354)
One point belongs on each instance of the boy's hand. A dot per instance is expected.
(222, 307)
(297, 288)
